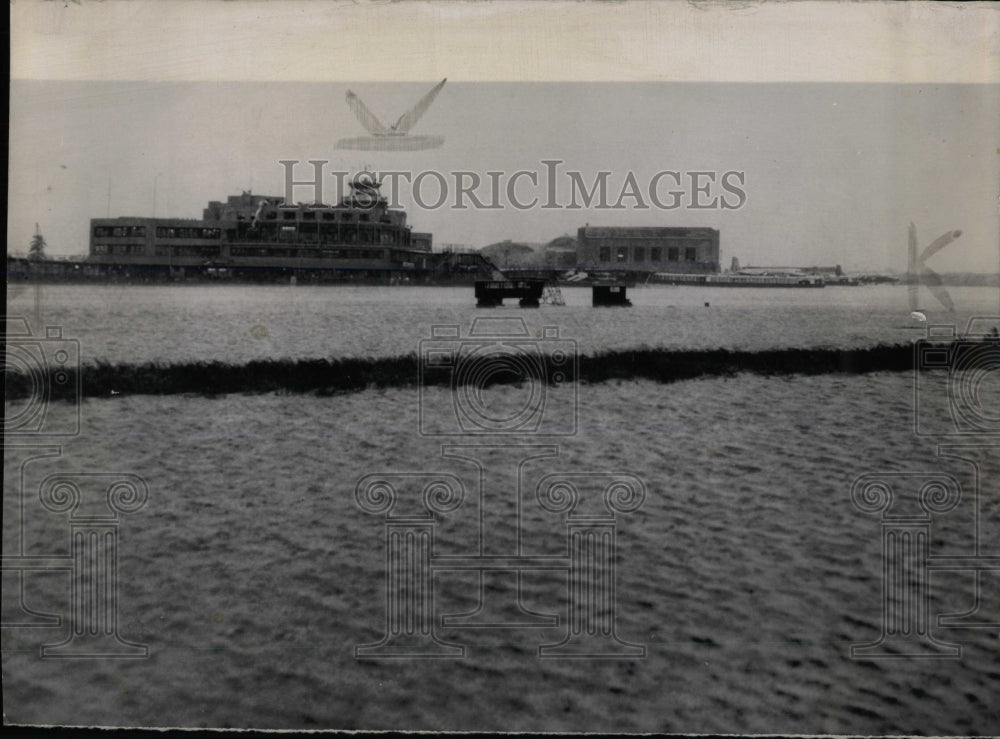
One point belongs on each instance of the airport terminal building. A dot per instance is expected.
(248, 233)
(648, 249)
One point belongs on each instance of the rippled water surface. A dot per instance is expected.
(252, 574)
(239, 323)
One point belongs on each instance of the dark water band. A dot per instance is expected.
(328, 376)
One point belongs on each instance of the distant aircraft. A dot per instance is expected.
(395, 137)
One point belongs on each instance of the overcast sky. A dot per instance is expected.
(848, 120)
(833, 172)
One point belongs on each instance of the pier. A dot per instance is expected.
(491, 293)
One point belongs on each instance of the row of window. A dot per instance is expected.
(334, 215)
(168, 232)
(119, 248)
(119, 231)
(238, 251)
(312, 232)
(188, 251)
(241, 251)
(621, 254)
(649, 242)
(163, 232)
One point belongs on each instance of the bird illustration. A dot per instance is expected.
(397, 136)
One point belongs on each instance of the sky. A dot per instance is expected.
(847, 121)
(833, 173)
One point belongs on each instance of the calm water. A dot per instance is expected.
(239, 323)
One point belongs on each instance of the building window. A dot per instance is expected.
(639, 254)
(119, 231)
(239, 251)
(288, 215)
(309, 216)
(690, 254)
(329, 216)
(655, 254)
(673, 254)
(604, 254)
(621, 254)
(100, 249)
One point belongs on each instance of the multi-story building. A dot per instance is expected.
(648, 249)
(260, 233)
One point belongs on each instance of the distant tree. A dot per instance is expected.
(36, 252)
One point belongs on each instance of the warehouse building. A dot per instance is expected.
(648, 249)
